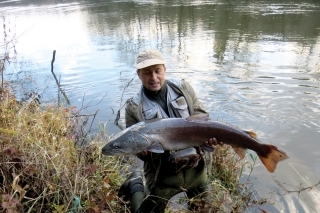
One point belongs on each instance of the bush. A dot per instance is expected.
(41, 168)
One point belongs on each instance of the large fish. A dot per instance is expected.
(179, 133)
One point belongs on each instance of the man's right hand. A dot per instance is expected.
(185, 158)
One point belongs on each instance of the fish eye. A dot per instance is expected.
(116, 146)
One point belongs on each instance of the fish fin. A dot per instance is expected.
(152, 120)
(207, 148)
(251, 133)
(263, 211)
(156, 147)
(240, 151)
(198, 117)
(273, 158)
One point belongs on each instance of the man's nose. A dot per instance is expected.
(153, 75)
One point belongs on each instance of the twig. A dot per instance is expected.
(296, 191)
(82, 130)
(303, 189)
(58, 90)
(57, 82)
(112, 110)
(118, 113)
(2, 71)
(94, 116)
(89, 104)
(34, 97)
(78, 116)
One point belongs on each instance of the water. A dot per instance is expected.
(254, 64)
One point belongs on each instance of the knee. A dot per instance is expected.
(136, 185)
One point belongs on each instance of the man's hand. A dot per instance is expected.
(185, 159)
(213, 142)
(144, 152)
(209, 145)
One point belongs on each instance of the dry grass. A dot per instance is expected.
(41, 170)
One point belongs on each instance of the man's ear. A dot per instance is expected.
(138, 72)
(164, 67)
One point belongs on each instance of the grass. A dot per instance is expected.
(41, 169)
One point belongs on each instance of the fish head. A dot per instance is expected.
(131, 142)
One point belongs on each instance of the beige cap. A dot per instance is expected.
(148, 58)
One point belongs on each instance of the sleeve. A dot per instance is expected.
(129, 118)
(195, 105)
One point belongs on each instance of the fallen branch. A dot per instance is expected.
(296, 191)
(55, 77)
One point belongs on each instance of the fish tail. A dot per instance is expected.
(274, 156)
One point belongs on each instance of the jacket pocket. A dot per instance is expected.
(150, 113)
(180, 107)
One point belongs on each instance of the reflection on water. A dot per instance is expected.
(253, 64)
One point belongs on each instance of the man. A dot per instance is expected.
(161, 98)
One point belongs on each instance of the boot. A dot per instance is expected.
(134, 183)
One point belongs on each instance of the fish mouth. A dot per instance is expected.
(112, 152)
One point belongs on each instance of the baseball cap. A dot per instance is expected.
(148, 58)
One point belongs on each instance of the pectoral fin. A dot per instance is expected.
(240, 151)
(251, 133)
(156, 147)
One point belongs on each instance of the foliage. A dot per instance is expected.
(41, 170)
(8, 49)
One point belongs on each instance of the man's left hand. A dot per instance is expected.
(213, 142)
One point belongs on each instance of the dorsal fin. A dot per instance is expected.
(152, 120)
(198, 117)
(251, 133)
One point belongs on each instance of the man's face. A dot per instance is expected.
(152, 77)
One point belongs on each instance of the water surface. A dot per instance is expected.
(254, 64)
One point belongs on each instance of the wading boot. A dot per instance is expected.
(134, 183)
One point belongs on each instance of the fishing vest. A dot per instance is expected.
(176, 103)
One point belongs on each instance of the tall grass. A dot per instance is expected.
(41, 170)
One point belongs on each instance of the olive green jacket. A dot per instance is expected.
(133, 115)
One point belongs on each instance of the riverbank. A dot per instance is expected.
(41, 168)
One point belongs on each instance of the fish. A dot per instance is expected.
(181, 133)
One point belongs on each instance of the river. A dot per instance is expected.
(253, 64)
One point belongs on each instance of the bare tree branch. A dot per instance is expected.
(116, 121)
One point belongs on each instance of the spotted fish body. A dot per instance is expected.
(179, 133)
